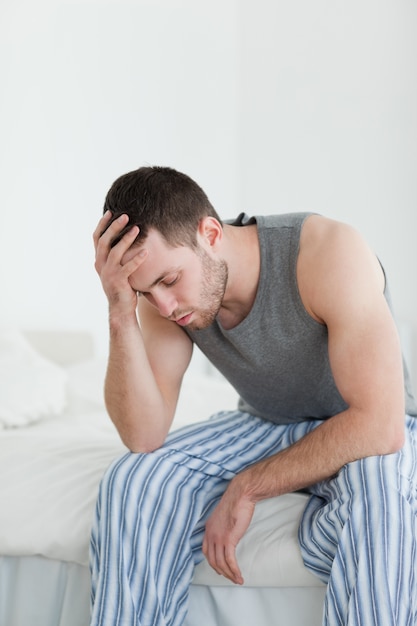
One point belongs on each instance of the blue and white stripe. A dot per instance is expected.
(358, 532)
(359, 535)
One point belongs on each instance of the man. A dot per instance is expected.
(294, 310)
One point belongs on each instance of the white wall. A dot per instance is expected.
(90, 90)
(271, 106)
(328, 122)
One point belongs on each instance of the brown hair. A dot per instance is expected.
(160, 198)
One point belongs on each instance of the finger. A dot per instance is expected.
(223, 560)
(204, 545)
(130, 266)
(221, 564)
(215, 555)
(125, 258)
(210, 554)
(101, 226)
(105, 245)
(124, 238)
(106, 231)
(113, 227)
(232, 564)
(112, 231)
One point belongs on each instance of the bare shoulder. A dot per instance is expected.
(335, 263)
(321, 233)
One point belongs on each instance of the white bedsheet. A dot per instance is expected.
(40, 592)
(48, 487)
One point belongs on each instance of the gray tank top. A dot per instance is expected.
(277, 357)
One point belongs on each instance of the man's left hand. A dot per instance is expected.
(224, 529)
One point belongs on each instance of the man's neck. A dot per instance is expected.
(241, 253)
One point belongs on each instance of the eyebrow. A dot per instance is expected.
(160, 278)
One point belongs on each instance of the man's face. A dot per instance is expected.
(186, 286)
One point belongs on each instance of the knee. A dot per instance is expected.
(368, 482)
(119, 476)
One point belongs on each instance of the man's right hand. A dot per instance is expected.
(147, 361)
(113, 272)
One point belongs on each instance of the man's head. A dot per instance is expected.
(160, 198)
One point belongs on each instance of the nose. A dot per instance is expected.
(165, 302)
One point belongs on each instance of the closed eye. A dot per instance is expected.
(165, 280)
(170, 281)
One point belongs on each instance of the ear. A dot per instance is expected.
(210, 232)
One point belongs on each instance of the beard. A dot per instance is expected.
(214, 281)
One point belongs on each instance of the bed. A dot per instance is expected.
(56, 442)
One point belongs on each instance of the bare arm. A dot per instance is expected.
(143, 377)
(341, 284)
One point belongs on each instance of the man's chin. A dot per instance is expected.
(201, 324)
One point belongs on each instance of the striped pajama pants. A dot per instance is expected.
(358, 533)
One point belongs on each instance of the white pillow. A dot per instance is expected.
(31, 387)
(86, 381)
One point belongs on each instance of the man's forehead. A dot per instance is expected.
(161, 260)
(154, 242)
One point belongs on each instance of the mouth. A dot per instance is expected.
(184, 320)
